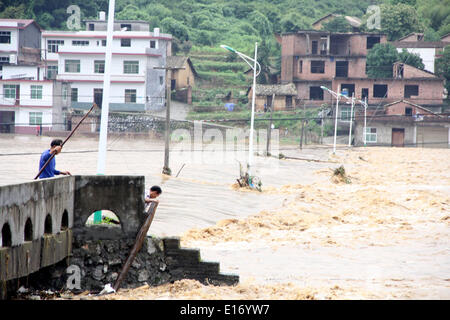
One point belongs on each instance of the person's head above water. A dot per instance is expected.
(155, 191)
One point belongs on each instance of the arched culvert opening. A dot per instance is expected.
(103, 218)
(28, 232)
(6, 236)
(65, 221)
(48, 224)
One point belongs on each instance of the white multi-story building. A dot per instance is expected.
(26, 97)
(78, 57)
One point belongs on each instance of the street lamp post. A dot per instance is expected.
(101, 162)
(365, 121)
(351, 121)
(337, 95)
(353, 100)
(255, 74)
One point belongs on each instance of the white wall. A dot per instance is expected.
(23, 116)
(87, 67)
(25, 93)
(14, 45)
(12, 71)
(427, 55)
(86, 91)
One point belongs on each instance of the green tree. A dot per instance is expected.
(293, 22)
(261, 23)
(399, 20)
(380, 60)
(176, 28)
(431, 35)
(14, 12)
(412, 59)
(411, 3)
(338, 24)
(442, 65)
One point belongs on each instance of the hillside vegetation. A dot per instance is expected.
(199, 27)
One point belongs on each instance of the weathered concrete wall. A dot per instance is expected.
(123, 195)
(34, 201)
(99, 251)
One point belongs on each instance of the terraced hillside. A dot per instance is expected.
(221, 79)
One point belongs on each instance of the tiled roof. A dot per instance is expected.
(277, 89)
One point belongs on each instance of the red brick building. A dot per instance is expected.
(311, 59)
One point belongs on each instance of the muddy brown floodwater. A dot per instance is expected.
(384, 235)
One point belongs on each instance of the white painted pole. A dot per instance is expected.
(365, 122)
(335, 123)
(252, 119)
(351, 121)
(106, 92)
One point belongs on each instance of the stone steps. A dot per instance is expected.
(184, 263)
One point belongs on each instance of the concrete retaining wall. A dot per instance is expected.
(46, 222)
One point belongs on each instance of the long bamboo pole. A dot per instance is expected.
(70, 135)
(137, 245)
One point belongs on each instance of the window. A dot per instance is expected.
(371, 41)
(9, 91)
(4, 59)
(125, 42)
(317, 66)
(300, 66)
(52, 71)
(348, 88)
(5, 36)
(380, 90)
(371, 135)
(288, 101)
(72, 66)
(80, 42)
(342, 69)
(99, 66)
(364, 93)
(323, 47)
(53, 45)
(161, 80)
(152, 44)
(314, 47)
(127, 27)
(36, 92)
(35, 118)
(65, 93)
(103, 43)
(411, 90)
(408, 111)
(74, 95)
(91, 27)
(130, 95)
(346, 112)
(98, 96)
(131, 67)
(315, 93)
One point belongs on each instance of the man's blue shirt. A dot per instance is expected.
(49, 170)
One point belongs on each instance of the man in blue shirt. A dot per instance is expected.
(50, 171)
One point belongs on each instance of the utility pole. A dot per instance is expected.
(303, 125)
(321, 126)
(269, 131)
(166, 169)
(351, 121)
(101, 162)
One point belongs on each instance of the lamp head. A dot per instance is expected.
(227, 48)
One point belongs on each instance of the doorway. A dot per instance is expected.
(398, 137)
(7, 120)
